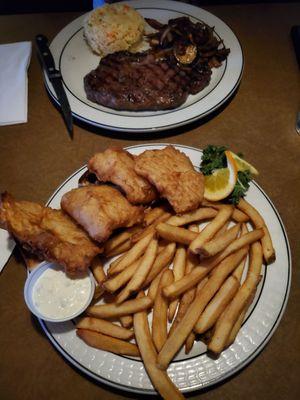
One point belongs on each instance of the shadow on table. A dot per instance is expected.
(149, 135)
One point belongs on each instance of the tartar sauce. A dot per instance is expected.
(57, 296)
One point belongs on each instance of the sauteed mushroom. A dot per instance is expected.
(187, 55)
(192, 43)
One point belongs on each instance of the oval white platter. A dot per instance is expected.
(197, 370)
(74, 59)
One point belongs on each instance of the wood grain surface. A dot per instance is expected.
(259, 121)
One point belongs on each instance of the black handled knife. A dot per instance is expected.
(56, 79)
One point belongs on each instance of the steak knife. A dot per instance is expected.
(295, 33)
(56, 79)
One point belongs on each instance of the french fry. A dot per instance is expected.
(192, 216)
(159, 379)
(267, 245)
(98, 292)
(187, 282)
(200, 271)
(222, 230)
(108, 343)
(172, 309)
(133, 254)
(240, 242)
(238, 303)
(218, 304)
(237, 215)
(154, 285)
(152, 215)
(116, 282)
(175, 234)
(122, 248)
(162, 243)
(240, 320)
(217, 278)
(105, 327)
(160, 312)
(114, 263)
(211, 229)
(189, 342)
(185, 326)
(201, 284)
(140, 274)
(140, 235)
(252, 213)
(179, 263)
(219, 243)
(143, 233)
(117, 240)
(192, 260)
(258, 222)
(238, 272)
(98, 271)
(185, 302)
(163, 259)
(126, 321)
(112, 310)
(178, 271)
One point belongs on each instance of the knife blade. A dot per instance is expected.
(55, 78)
(295, 33)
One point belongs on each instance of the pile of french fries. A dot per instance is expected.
(197, 273)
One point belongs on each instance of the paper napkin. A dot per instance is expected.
(7, 245)
(14, 62)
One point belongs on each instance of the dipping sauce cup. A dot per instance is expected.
(53, 296)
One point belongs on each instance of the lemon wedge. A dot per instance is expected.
(243, 165)
(221, 182)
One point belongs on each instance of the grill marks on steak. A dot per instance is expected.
(143, 81)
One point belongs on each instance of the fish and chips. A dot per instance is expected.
(195, 265)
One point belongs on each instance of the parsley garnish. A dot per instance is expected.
(241, 187)
(214, 158)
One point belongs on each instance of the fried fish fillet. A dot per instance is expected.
(49, 234)
(100, 210)
(173, 175)
(117, 166)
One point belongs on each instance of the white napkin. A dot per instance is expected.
(14, 62)
(7, 245)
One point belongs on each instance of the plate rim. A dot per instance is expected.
(184, 121)
(216, 380)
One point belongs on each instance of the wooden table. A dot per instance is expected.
(259, 121)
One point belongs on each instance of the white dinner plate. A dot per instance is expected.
(196, 370)
(74, 59)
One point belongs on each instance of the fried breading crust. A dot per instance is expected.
(100, 210)
(117, 166)
(173, 175)
(49, 234)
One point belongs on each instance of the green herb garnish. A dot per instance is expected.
(241, 187)
(214, 158)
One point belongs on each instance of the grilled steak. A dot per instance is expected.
(144, 81)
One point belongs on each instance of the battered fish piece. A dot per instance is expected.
(173, 175)
(100, 210)
(117, 166)
(49, 234)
